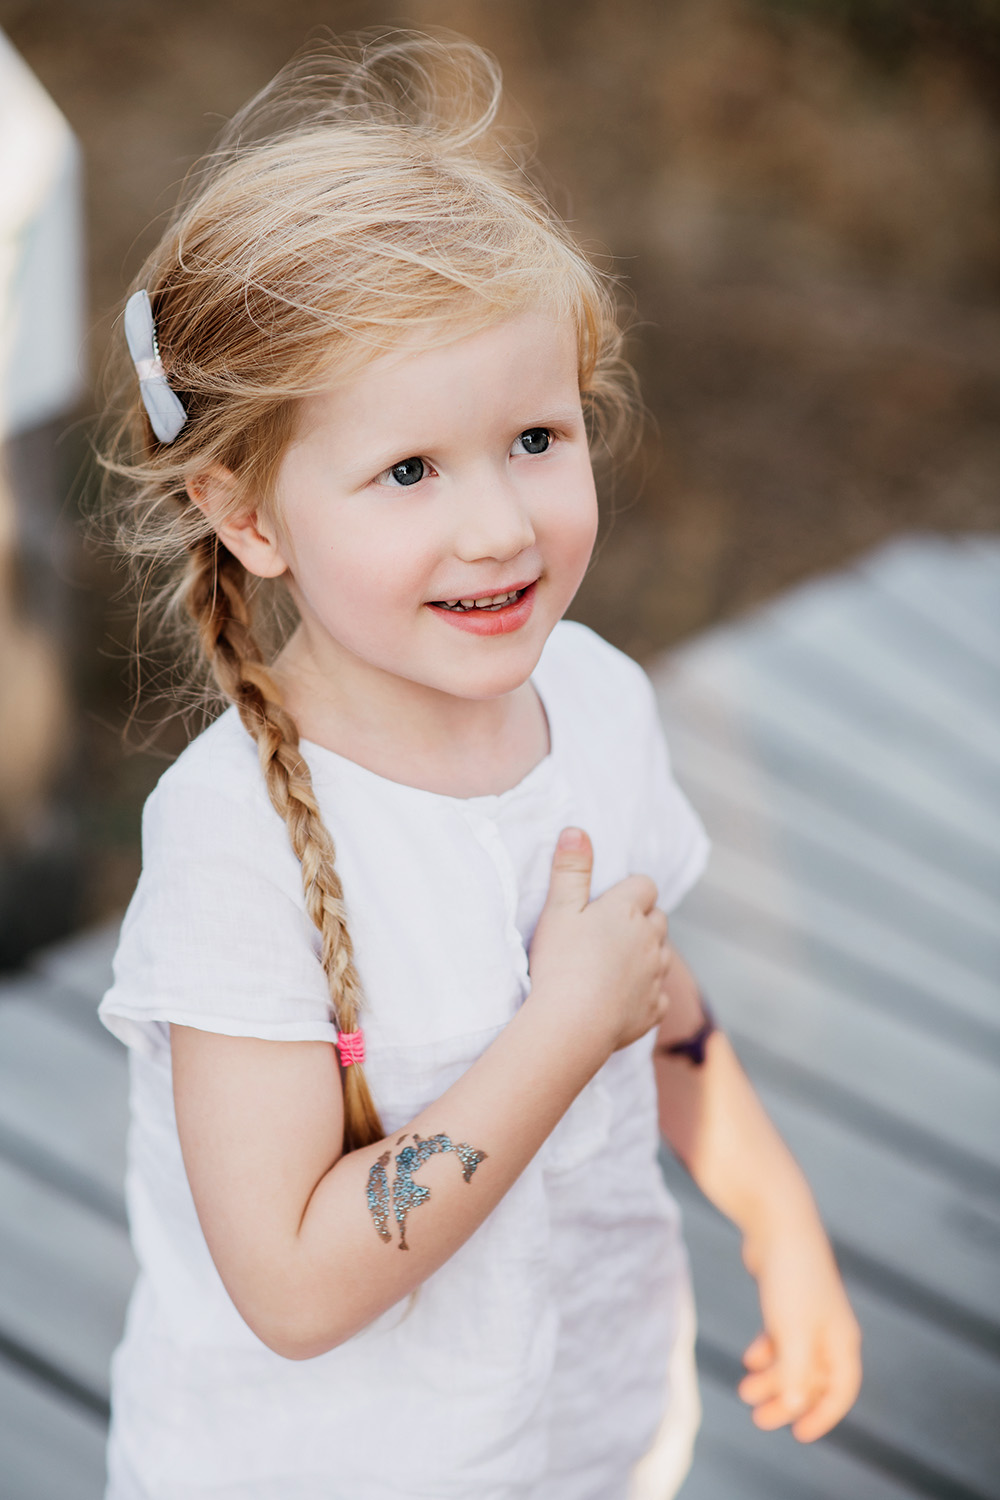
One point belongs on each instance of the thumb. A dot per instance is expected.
(572, 864)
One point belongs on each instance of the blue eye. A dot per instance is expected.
(409, 471)
(535, 439)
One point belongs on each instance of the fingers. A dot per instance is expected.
(842, 1386)
(778, 1387)
(775, 1398)
(760, 1353)
(813, 1402)
(834, 1404)
(641, 890)
(572, 866)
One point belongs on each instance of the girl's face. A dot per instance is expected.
(453, 474)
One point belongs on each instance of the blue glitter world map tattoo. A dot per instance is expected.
(406, 1194)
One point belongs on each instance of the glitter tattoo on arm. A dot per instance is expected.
(378, 1196)
(406, 1193)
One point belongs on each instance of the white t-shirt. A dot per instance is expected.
(533, 1364)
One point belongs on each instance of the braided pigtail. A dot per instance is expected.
(364, 203)
(217, 603)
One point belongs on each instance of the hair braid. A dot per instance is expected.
(217, 603)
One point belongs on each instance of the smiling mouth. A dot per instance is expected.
(489, 603)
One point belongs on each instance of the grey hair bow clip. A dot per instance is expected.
(166, 414)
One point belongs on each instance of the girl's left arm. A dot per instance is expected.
(805, 1366)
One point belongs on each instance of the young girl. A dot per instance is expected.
(402, 1015)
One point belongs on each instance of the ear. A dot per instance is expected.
(249, 534)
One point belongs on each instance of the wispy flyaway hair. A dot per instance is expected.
(365, 201)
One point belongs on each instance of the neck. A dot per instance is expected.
(412, 733)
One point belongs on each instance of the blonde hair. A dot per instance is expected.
(364, 199)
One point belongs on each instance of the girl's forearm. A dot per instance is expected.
(714, 1121)
(427, 1187)
(311, 1245)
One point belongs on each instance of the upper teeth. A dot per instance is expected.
(491, 601)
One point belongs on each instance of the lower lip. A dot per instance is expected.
(491, 621)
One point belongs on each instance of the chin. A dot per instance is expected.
(494, 679)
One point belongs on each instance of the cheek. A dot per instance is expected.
(571, 523)
(360, 569)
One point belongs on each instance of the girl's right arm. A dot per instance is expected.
(307, 1240)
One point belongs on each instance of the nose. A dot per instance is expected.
(492, 521)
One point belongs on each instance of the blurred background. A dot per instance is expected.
(802, 201)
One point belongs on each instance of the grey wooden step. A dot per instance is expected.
(918, 626)
(925, 1242)
(928, 1396)
(882, 893)
(841, 746)
(830, 1034)
(50, 1449)
(901, 972)
(63, 1100)
(952, 586)
(65, 1276)
(844, 627)
(802, 708)
(734, 1460)
(81, 964)
(828, 760)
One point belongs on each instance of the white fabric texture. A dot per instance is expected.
(535, 1364)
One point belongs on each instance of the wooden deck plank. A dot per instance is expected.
(65, 1276)
(951, 771)
(916, 629)
(81, 964)
(818, 761)
(950, 584)
(927, 1394)
(848, 931)
(722, 760)
(802, 715)
(851, 617)
(835, 637)
(896, 970)
(49, 1448)
(830, 855)
(62, 1092)
(830, 1034)
(736, 1461)
(897, 1213)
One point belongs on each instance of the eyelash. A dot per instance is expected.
(385, 477)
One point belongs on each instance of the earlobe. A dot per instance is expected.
(249, 534)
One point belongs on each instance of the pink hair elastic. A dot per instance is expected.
(351, 1046)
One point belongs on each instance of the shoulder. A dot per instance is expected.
(579, 664)
(216, 935)
(214, 788)
(219, 762)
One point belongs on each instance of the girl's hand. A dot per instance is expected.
(606, 960)
(805, 1367)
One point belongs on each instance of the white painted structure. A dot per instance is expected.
(41, 253)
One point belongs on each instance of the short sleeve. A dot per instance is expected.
(678, 844)
(216, 936)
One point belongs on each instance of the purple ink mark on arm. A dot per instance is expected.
(693, 1047)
